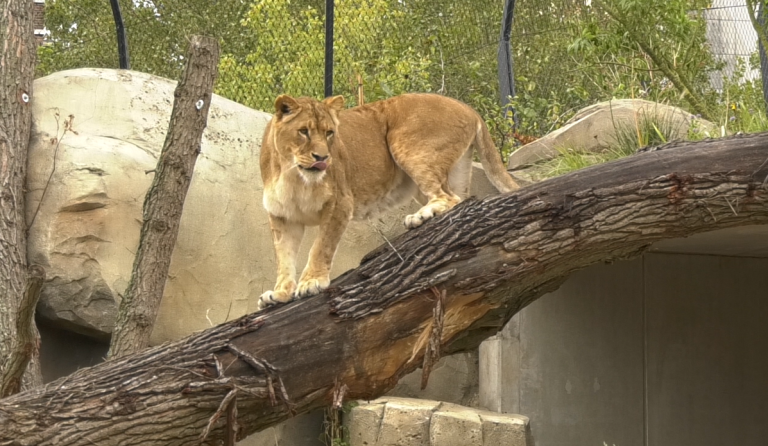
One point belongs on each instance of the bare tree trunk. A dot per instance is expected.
(165, 199)
(27, 342)
(17, 69)
(443, 287)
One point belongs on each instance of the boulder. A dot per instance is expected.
(593, 129)
(96, 137)
(394, 421)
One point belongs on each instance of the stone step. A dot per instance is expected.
(392, 421)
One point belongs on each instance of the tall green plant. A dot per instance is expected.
(673, 41)
(573, 54)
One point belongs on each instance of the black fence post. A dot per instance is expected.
(122, 41)
(328, 48)
(506, 68)
(763, 58)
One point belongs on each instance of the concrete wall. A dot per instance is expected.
(668, 349)
(62, 352)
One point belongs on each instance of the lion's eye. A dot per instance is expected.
(304, 132)
(329, 133)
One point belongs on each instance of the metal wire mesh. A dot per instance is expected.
(732, 40)
(386, 47)
(382, 47)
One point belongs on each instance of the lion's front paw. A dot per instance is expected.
(418, 219)
(311, 286)
(270, 298)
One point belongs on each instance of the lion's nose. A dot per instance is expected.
(319, 157)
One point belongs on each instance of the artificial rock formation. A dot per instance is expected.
(594, 129)
(96, 137)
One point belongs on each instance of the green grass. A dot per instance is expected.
(650, 129)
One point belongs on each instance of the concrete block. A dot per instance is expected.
(454, 425)
(499, 370)
(503, 429)
(412, 422)
(363, 423)
(406, 422)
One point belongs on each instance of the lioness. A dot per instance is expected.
(323, 165)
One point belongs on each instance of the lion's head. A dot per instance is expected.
(304, 131)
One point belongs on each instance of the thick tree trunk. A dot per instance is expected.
(442, 287)
(17, 69)
(27, 342)
(165, 199)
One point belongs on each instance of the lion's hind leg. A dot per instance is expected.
(441, 171)
(460, 175)
(439, 202)
(432, 181)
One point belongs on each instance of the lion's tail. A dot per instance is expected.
(491, 160)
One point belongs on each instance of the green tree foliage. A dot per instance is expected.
(288, 54)
(579, 53)
(277, 46)
(567, 53)
(393, 46)
(83, 32)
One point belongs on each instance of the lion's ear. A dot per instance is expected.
(285, 105)
(335, 103)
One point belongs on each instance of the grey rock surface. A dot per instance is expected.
(593, 129)
(97, 134)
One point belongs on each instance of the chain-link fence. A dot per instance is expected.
(270, 47)
(381, 48)
(700, 55)
(732, 40)
(566, 54)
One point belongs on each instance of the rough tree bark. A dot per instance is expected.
(17, 69)
(481, 263)
(165, 199)
(27, 342)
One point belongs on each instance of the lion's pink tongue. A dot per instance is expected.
(320, 165)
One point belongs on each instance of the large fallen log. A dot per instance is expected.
(443, 287)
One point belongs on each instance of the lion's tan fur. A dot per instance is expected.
(379, 155)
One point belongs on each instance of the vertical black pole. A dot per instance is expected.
(122, 41)
(763, 58)
(328, 48)
(506, 68)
